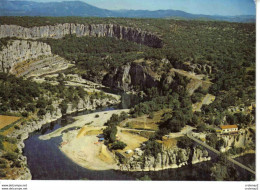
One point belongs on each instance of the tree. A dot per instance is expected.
(184, 142)
(152, 148)
(41, 112)
(41, 103)
(110, 133)
(220, 143)
(212, 140)
(201, 128)
(118, 145)
(151, 115)
(64, 107)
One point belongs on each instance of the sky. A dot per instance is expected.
(209, 7)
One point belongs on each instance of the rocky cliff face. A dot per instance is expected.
(94, 30)
(21, 57)
(246, 138)
(192, 67)
(129, 77)
(170, 158)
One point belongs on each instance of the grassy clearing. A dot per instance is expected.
(7, 120)
(144, 122)
(133, 141)
(169, 143)
(9, 147)
(145, 134)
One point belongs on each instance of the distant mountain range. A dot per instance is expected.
(78, 8)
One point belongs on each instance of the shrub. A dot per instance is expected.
(118, 145)
(11, 140)
(17, 164)
(2, 173)
(3, 166)
(16, 127)
(128, 125)
(151, 115)
(184, 142)
(41, 112)
(3, 163)
(25, 114)
(10, 156)
(64, 107)
(201, 128)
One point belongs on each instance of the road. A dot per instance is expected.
(218, 153)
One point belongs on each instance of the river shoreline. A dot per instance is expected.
(30, 127)
(37, 125)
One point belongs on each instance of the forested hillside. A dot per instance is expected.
(227, 48)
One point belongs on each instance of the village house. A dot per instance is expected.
(229, 128)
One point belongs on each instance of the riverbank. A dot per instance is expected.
(24, 131)
(93, 119)
(81, 144)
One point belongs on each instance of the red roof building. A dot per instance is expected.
(229, 128)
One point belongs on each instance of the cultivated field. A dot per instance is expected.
(7, 120)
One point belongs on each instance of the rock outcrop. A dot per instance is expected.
(129, 77)
(170, 158)
(246, 138)
(194, 67)
(22, 57)
(95, 30)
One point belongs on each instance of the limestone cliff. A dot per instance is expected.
(198, 68)
(245, 139)
(95, 30)
(129, 77)
(168, 158)
(22, 57)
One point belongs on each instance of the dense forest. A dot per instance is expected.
(95, 55)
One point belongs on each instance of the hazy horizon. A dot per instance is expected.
(207, 7)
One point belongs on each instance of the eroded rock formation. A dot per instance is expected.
(22, 57)
(95, 30)
(170, 158)
(130, 76)
(246, 138)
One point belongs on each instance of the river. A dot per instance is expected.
(47, 162)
